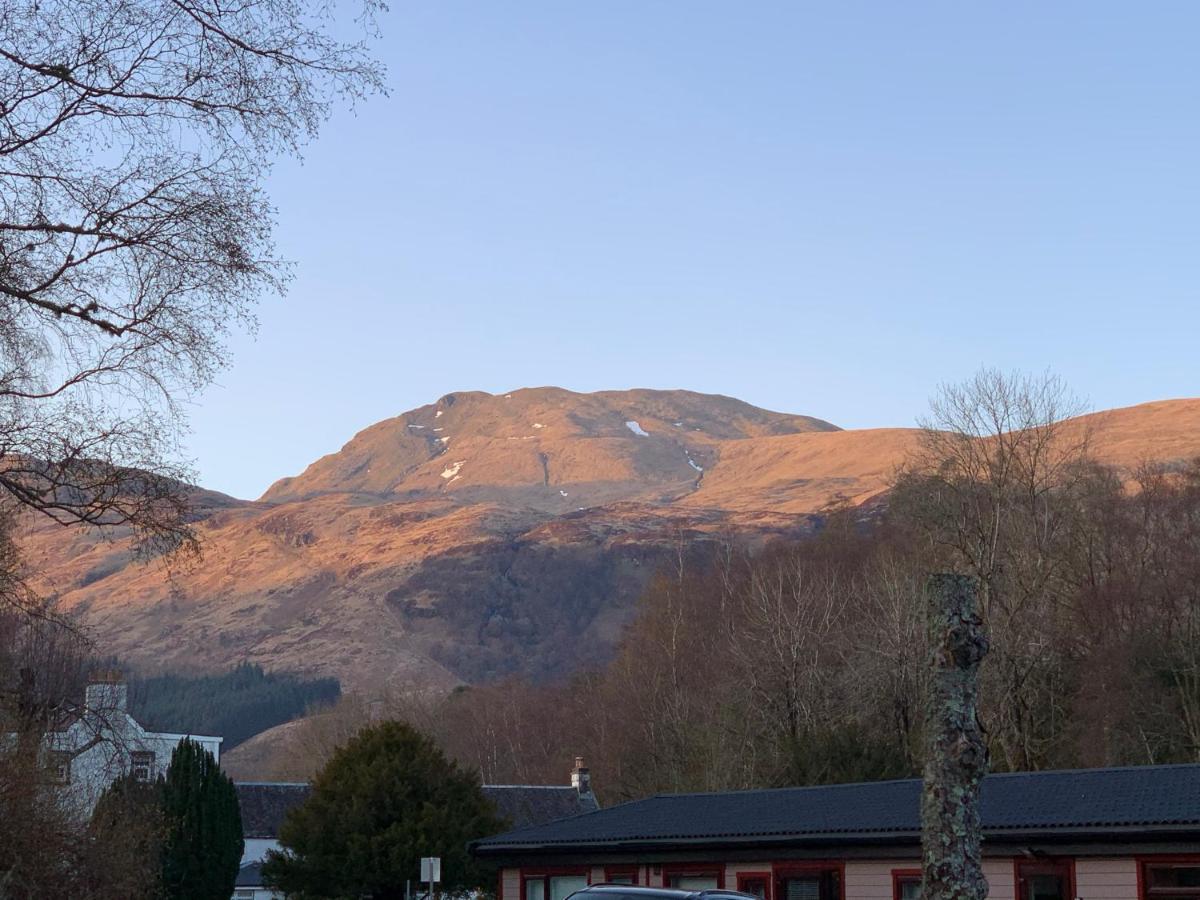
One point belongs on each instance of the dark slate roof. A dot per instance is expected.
(528, 804)
(1076, 801)
(264, 805)
(249, 875)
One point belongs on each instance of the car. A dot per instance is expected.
(636, 892)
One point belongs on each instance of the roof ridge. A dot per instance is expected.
(787, 787)
(854, 784)
(274, 783)
(1059, 801)
(1094, 770)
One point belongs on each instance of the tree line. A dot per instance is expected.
(806, 663)
(236, 704)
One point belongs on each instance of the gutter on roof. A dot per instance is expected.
(1002, 835)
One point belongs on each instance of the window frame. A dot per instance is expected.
(694, 870)
(622, 871)
(147, 759)
(1045, 866)
(59, 765)
(764, 876)
(1143, 880)
(545, 873)
(782, 870)
(901, 875)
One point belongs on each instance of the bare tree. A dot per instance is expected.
(134, 234)
(992, 490)
(791, 649)
(887, 653)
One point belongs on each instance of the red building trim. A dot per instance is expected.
(899, 875)
(545, 872)
(765, 877)
(696, 870)
(1142, 862)
(1049, 866)
(781, 870)
(610, 871)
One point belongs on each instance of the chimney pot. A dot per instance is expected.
(581, 778)
(106, 692)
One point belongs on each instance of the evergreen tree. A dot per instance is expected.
(203, 844)
(125, 841)
(384, 800)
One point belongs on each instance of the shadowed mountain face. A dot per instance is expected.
(485, 535)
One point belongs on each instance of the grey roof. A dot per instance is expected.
(249, 875)
(1075, 801)
(528, 804)
(264, 805)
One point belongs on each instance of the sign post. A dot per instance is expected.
(431, 871)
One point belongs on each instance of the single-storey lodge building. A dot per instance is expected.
(1099, 834)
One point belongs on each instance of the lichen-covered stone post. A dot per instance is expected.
(956, 755)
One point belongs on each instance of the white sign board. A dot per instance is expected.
(431, 868)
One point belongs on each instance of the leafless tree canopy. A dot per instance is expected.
(134, 234)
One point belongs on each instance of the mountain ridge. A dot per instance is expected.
(509, 548)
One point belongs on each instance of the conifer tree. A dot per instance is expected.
(385, 799)
(203, 845)
(125, 841)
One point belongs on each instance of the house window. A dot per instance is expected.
(553, 886)
(142, 765)
(620, 875)
(60, 766)
(809, 883)
(754, 883)
(1173, 880)
(1045, 880)
(906, 884)
(694, 878)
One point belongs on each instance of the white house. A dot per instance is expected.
(102, 742)
(264, 805)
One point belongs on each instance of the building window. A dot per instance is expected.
(756, 884)
(553, 885)
(1173, 880)
(620, 875)
(906, 884)
(60, 766)
(694, 878)
(1048, 880)
(142, 765)
(809, 883)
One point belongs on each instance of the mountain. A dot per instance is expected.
(527, 447)
(484, 535)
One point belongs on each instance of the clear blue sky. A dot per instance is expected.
(824, 209)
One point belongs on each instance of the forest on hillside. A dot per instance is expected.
(236, 705)
(806, 662)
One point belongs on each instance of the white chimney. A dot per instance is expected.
(106, 693)
(581, 778)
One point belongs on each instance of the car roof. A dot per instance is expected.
(643, 890)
